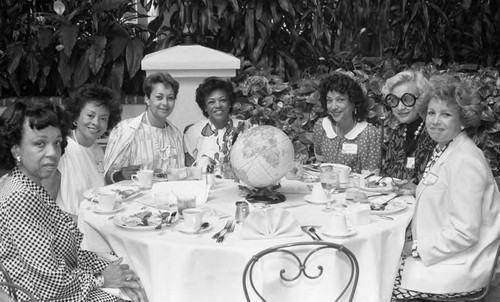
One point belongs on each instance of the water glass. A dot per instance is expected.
(329, 179)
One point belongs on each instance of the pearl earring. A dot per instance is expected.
(18, 160)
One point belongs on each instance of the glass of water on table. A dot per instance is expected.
(329, 179)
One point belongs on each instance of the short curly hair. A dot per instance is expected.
(97, 94)
(457, 94)
(413, 77)
(209, 85)
(344, 84)
(39, 113)
(160, 77)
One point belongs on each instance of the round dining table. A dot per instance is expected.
(185, 267)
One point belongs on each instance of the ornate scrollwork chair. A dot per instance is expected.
(13, 289)
(479, 296)
(303, 253)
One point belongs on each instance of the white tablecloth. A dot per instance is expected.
(179, 267)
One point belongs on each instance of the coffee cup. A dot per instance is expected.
(185, 201)
(143, 178)
(318, 194)
(106, 200)
(341, 223)
(193, 218)
(359, 213)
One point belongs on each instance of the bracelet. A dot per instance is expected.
(98, 280)
(113, 176)
(414, 251)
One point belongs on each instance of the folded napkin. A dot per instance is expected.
(291, 186)
(269, 223)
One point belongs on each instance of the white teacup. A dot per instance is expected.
(193, 218)
(359, 213)
(106, 200)
(318, 194)
(341, 224)
(143, 178)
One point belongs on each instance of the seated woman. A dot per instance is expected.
(456, 225)
(344, 136)
(148, 141)
(92, 111)
(39, 243)
(409, 146)
(214, 136)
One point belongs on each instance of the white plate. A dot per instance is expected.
(382, 189)
(122, 219)
(97, 209)
(309, 198)
(398, 204)
(90, 194)
(330, 233)
(181, 227)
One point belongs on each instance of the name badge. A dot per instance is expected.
(410, 163)
(349, 148)
(430, 179)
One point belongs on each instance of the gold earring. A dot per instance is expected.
(18, 160)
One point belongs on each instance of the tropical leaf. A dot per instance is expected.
(67, 37)
(82, 70)
(117, 74)
(134, 55)
(32, 66)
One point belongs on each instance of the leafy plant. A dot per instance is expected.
(51, 49)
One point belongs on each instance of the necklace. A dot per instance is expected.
(163, 149)
(417, 132)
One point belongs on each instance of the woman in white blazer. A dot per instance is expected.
(456, 225)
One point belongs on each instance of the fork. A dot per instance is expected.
(229, 231)
(164, 217)
(226, 227)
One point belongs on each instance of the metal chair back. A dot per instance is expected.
(13, 288)
(302, 265)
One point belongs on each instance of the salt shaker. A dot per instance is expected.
(242, 211)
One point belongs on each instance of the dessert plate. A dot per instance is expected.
(309, 198)
(397, 204)
(136, 221)
(182, 227)
(331, 233)
(96, 208)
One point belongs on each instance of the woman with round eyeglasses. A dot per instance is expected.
(408, 146)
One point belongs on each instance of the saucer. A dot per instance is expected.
(181, 227)
(97, 209)
(309, 198)
(329, 233)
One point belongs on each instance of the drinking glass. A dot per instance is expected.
(329, 179)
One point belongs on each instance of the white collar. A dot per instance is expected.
(355, 131)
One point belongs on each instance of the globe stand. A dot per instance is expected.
(267, 195)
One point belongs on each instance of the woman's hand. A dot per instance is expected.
(136, 295)
(118, 275)
(127, 172)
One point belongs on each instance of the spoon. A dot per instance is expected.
(313, 231)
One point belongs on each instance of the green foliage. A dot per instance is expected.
(50, 48)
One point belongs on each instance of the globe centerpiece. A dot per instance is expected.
(260, 157)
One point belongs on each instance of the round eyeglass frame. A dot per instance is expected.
(407, 99)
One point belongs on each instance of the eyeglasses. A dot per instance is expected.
(407, 99)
